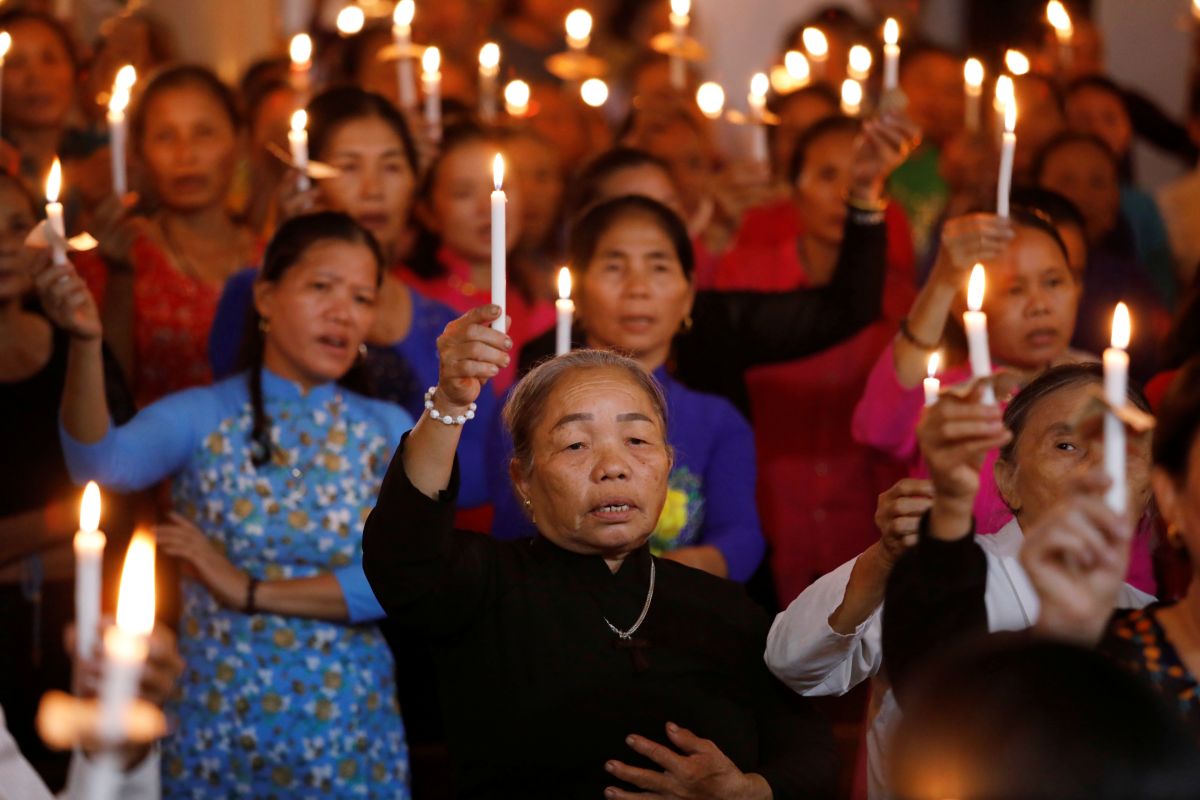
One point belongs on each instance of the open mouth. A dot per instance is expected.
(340, 343)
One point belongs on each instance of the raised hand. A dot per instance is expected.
(969, 240)
(885, 142)
(470, 352)
(700, 771)
(65, 298)
(898, 513)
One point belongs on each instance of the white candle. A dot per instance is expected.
(817, 47)
(1008, 149)
(54, 213)
(565, 308)
(932, 384)
(680, 11)
(402, 19)
(973, 86)
(579, 30)
(852, 97)
(1005, 91)
(300, 51)
(594, 92)
(891, 55)
(431, 83)
(710, 99)
(977, 336)
(489, 70)
(89, 555)
(759, 85)
(499, 243)
(1060, 20)
(858, 63)
(5, 44)
(298, 143)
(516, 98)
(118, 101)
(1116, 380)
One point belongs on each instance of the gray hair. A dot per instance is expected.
(527, 402)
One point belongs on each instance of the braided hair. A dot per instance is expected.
(286, 248)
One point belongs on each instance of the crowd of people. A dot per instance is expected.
(409, 548)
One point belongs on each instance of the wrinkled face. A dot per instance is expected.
(634, 295)
(1086, 175)
(933, 84)
(16, 220)
(538, 170)
(797, 115)
(1031, 300)
(687, 155)
(376, 183)
(1049, 454)
(600, 462)
(459, 209)
(647, 180)
(319, 312)
(189, 146)
(39, 80)
(1102, 114)
(822, 186)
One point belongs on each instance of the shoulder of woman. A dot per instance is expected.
(394, 419)
(723, 597)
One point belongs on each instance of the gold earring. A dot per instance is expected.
(264, 324)
(362, 350)
(1174, 536)
(687, 323)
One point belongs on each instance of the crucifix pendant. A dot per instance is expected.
(636, 647)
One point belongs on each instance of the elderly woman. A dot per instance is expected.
(577, 662)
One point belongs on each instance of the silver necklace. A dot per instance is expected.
(641, 617)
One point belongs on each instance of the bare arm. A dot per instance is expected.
(36, 530)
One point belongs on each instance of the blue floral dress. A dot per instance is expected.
(272, 706)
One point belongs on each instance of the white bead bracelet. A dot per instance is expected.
(447, 419)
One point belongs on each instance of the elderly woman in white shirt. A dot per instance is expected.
(829, 639)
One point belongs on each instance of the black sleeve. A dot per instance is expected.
(1152, 124)
(427, 576)
(762, 327)
(799, 759)
(934, 600)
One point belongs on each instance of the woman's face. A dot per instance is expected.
(376, 182)
(16, 220)
(1179, 501)
(538, 171)
(1101, 114)
(319, 311)
(459, 209)
(1031, 301)
(1049, 455)
(39, 79)
(600, 462)
(646, 180)
(634, 295)
(687, 155)
(796, 115)
(822, 184)
(189, 146)
(1086, 176)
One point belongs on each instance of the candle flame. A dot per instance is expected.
(579, 25)
(299, 120)
(431, 61)
(1121, 326)
(54, 182)
(681, 8)
(126, 77)
(1017, 62)
(135, 602)
(973, 72)
(797, 65)
(710, 97)
(935, 362)
(594, 92)
(301, 49)
(975, 288)
(860, 59)
(1004, 90)
(350, 20)
(852, 96)
(404, 13)
(564, 283)
(118, 100)
(5, 43)
(1196, 8)
(1056, 14)
(1010, 115)
(489, 56)
(498, 172)
(89, 509)
(516, 97)
(759, 85)
(891, 31)
(815, 42)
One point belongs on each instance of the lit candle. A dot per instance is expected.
(431, 83)
(5, 44)
(298, 142)
(1060, 20)
(799, 73)
(973, 83)
(566, 313)
(1004, 96)
(817, 47)
(1016, 62)
(117, 102)
(89, 555)
(977, 335)
(757, 99)
(54, 213)
(402, 18)
(858, 63)
(1116, 379)
(852, 97)
(594, 92)
(932, 384)
(579, 30)
(680, 11)
(710, 98)
(350, 20)
(499, 242)
(300, 51)
(891, 55)
(126, 644)
(489, 70)
(516, 98)
(1008, 148)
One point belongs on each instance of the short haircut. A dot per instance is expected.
(587, 185)
(587, 231)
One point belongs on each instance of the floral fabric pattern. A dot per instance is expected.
(679, 523)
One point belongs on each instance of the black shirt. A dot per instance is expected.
(536, 690)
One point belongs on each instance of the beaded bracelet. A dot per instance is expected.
(448, 419)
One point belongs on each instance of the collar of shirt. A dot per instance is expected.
(276, 387)
(592, 570)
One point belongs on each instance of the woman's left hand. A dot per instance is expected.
(884, 144)
(702, 772)
(182, 539)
